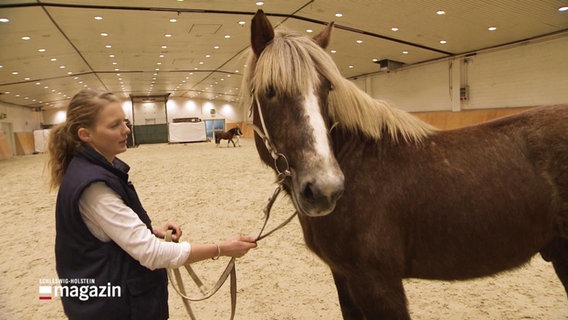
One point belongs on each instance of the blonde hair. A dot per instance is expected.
(64, 139)
(292, 61)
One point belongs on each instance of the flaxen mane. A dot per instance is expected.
(291, 63)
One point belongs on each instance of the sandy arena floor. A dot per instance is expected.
(215, 193)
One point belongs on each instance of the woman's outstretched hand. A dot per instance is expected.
(237, 247)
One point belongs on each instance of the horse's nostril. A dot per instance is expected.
(308, 192)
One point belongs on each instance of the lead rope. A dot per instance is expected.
(230, 269)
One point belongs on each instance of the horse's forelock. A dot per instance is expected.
(293, 63)
(286, 65)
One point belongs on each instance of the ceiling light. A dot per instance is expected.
(53, 59)
(561, 9)
(443, 42)
(359, 41)
(61, 67)
(405, 52)
(104, 34)
(333, 51)
(227, 36)
(41, 50)
(492, 28)
(98, 18)
(339, 15)
(440, 12)
(4, 20)
(108, 46)
(164, 47)
(259, 3)
(111, 55)
(394, 29)
(351, 67)
(216, 47)
(173, 20)
(26, 38)
(15, 72)
(242, 22)
(167, 35)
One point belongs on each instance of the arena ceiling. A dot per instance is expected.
(50, 49)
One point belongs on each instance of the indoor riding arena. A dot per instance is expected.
(178, 68)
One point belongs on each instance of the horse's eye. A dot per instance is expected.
(270, 92)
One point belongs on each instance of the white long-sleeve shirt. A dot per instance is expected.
(110, 219)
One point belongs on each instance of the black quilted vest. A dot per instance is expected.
(80, 255)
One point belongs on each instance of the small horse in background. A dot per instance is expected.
(234, 133)
(382, 196)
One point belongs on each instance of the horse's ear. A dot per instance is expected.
(323, 38)
(261, 32)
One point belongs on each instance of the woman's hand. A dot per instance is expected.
(160, 232)
(237, 246)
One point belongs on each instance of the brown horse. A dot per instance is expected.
(228, 135)
(383, 196)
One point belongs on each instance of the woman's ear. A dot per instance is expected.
(84, 134)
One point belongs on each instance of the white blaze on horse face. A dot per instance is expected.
(313, 113)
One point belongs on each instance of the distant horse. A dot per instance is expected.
(383, 196)
(229, 135)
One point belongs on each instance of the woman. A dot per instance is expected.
(103, 234)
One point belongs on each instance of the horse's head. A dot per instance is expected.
(290, 97)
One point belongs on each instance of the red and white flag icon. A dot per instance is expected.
(44, 292)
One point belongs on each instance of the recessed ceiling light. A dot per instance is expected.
(61, 67)
(104, 34)
(53, 59)
(164, 47)
(173, 20)
(108, 46)
(227, 36)
(440, 12)
(333, 51)
(359, 41)
(167, 35)
(26, 38)
(443, 41)
(561, 9)
(242, 22)
(111, 55)
(351, 67)
(98, 18)
(492, 28)
(339, 15)
(41, 50)
(375, 59)
(216, 47)
(259, 3)
(309, 30)
(6, 20)
(15, 73)
(394, 29)
(405, 52)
